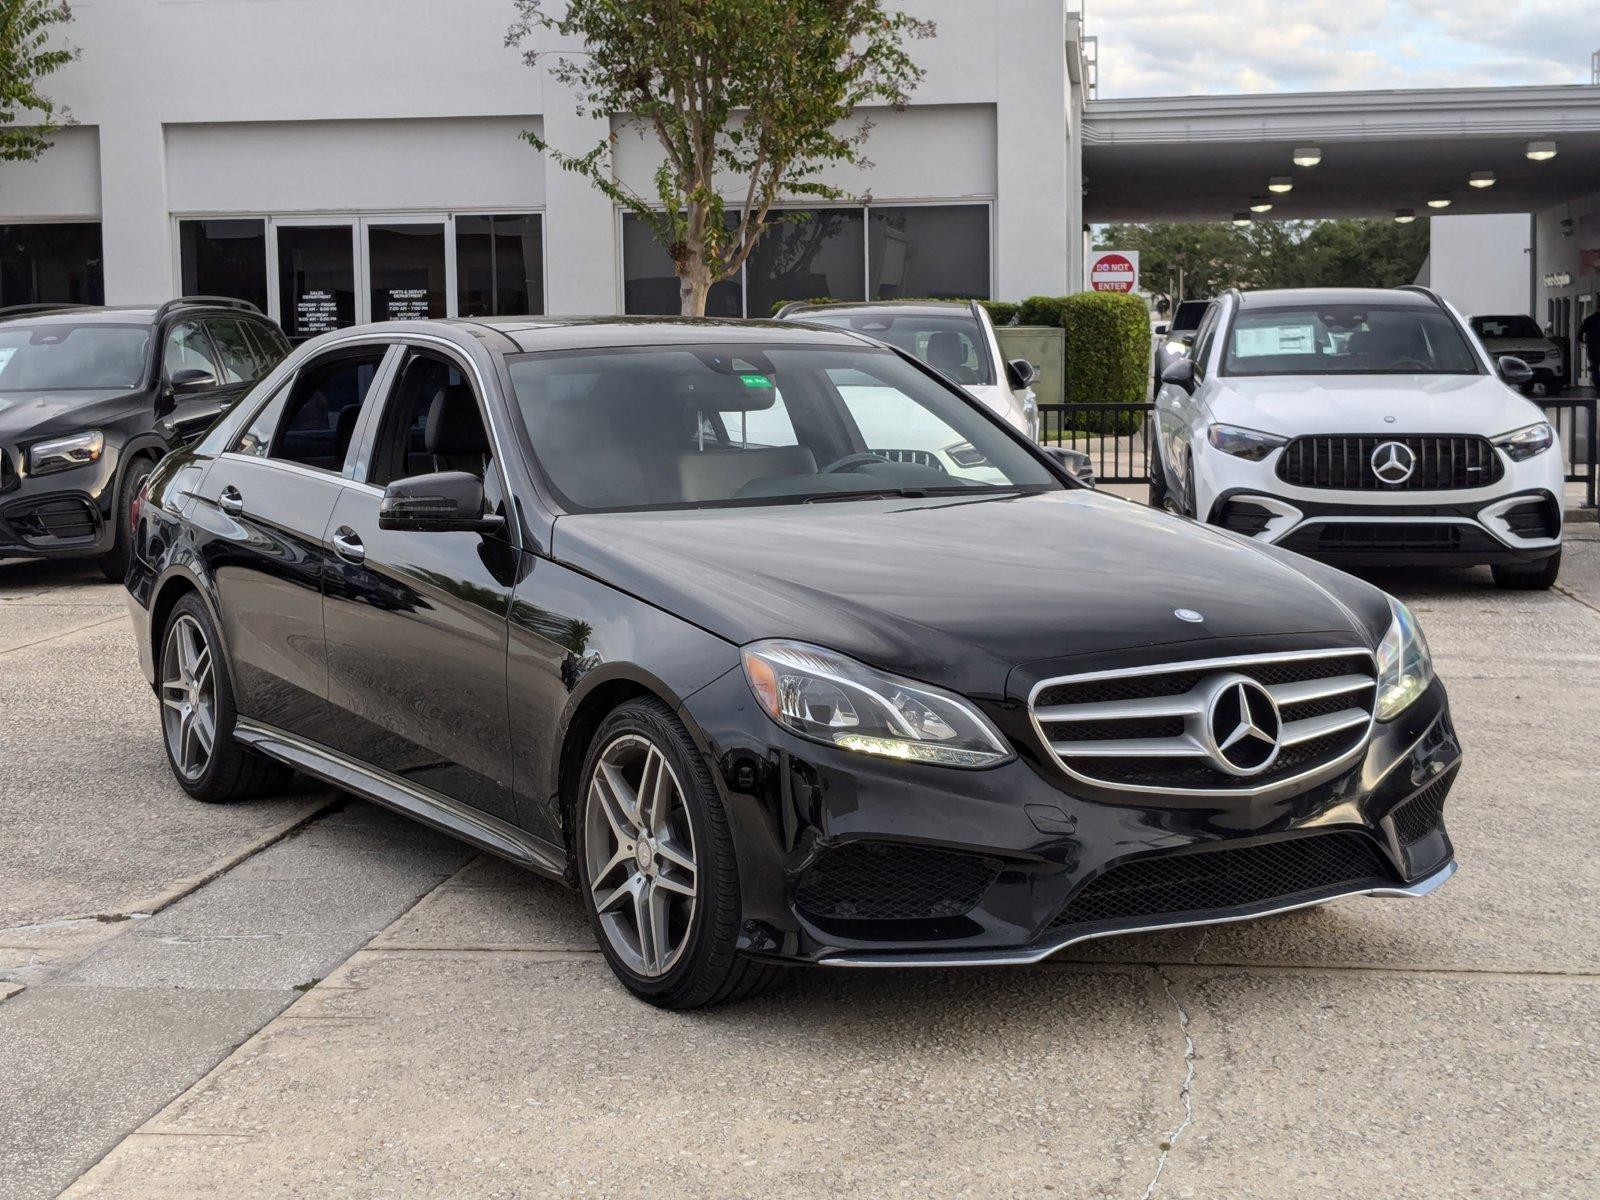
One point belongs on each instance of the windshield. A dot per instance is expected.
(1347, 339)
(951, 344)
(703, 426)
(1505, 327)
(63, 358)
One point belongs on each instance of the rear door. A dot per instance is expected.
(417, 622)
(262, 516)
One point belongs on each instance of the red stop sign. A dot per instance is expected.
(1112, 273)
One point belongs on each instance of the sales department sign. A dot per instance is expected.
(1113, 270)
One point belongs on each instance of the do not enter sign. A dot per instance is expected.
(1114, 271)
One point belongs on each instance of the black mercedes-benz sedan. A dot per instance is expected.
(703, 618)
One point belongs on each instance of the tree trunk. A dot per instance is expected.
(694, 285)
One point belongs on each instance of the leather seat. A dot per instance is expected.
(454, 434)
(947, 353)
(721, 474)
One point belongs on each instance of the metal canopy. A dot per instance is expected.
(1202, 158)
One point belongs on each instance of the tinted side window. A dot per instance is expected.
(234, 354)
(188, 348)
(256, 440)
(433, 396)
(321, 408)
(1203, 338)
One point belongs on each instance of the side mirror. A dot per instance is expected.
(1514, 371)
(1075, 462)
(1021, 373)
(443, 502)
(1162, 329)
(1180, 373)
(191, 380)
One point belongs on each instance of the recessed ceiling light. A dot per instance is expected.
(1404, 216)
(1260, 204)
(1241, 218)
(1307, 156)
(1280, 184)
(1439, 201)
(1481, 179)
(1541, 151)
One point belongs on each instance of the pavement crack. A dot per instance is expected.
(1185, 1093)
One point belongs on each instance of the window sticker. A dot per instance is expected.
(1275, 339)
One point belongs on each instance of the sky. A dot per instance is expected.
(1181, 47)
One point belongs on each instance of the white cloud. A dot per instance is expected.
(1189, 46)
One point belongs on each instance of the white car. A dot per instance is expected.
(1360, 426)
(954, 337)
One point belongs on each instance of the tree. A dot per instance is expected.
(26, 57)
(1212, 257)
(752, 96)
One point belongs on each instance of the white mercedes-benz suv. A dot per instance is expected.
(1360, 426)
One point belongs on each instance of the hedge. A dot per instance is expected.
(1107, 352)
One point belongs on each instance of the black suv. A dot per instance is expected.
(92, 398)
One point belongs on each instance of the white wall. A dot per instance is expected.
(1483, 264)
(253, 106)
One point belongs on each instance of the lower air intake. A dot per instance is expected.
(891, 881)
(1209, 880)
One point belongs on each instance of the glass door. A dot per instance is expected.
(315, 263)
(407, 268)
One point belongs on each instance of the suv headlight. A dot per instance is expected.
(1405, 668)
(61, 454)
(1527, 441)
(1244, 443)
(835, 700)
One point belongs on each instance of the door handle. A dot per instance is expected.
(347, 545)
(230, 501)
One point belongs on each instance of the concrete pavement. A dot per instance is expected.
(478, 1047)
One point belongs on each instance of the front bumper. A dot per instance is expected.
(991, 866)
(67, 514)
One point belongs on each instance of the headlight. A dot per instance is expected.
(1527, 441)
(1244, 443)
(60, 454)
(833, 699)
(1405, 669)
(1178, 349)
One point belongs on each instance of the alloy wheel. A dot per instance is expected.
(640, 853)
(188, 697)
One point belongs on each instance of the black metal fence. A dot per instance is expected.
(1573, 419)
(1116, 437)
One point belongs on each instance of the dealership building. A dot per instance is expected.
(338, 163)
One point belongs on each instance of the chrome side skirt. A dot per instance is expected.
(1033, 954)
(430, 807)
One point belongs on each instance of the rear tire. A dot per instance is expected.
(115, 564)
(198, 714)
(1529, 577)
(656, 865)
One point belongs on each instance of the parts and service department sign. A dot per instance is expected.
(1113, 270)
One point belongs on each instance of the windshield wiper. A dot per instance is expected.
(909, 493)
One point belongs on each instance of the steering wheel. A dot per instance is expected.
(1408, 364)
(850, 461)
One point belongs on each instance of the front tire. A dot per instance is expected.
(197, 713)
(115, 564)
(1529, 577)
(656, 865)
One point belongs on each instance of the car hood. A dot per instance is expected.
(956, 592)
(1292, 405)
(39, 414)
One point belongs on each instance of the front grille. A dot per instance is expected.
(892, 881)
(1419, 816)
(1530, 357)
(1146, 729)
(1533, 519)
(1210, 880)
(64, 519)
(1344, 461)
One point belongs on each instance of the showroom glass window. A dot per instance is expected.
(224, 258)
(499, 265)
(882, 253)
(51, 263)
(406, 264)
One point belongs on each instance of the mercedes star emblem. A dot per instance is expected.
(1393, 463)
(1188, 614)
(1242, 726)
